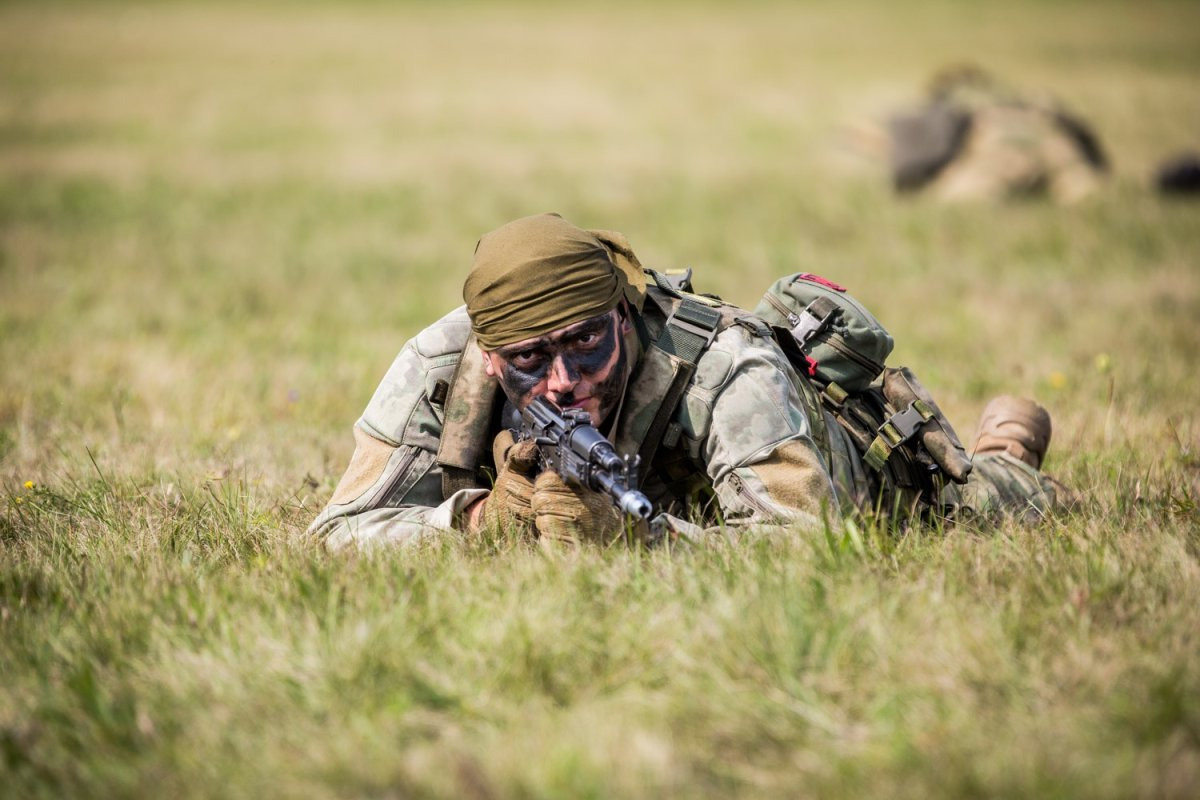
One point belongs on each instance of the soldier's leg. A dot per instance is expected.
(1003, 485)
(1014, 434)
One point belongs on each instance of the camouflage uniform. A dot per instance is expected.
(747, 445)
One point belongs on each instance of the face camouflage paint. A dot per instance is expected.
(609, 388)
(582, 366)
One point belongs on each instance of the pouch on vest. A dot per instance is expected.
(903, 391)
(844, 343)
(899, 430)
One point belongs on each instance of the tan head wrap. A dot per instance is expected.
(538, 274)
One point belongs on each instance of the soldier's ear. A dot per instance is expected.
(489, 366)
(623, 316)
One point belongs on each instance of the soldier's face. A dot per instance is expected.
(580, 366)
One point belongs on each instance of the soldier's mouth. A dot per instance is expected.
(571, 402)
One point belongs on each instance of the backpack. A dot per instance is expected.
(843, 342)
(838, 344)
(840, 349)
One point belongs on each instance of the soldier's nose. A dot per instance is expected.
(562, 378)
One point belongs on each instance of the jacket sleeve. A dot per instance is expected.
(392, 491)
(743, 418)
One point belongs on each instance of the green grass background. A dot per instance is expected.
(220, 221)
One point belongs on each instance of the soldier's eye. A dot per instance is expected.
(587, 338)
(526, 359)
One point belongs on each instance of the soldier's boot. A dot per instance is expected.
(1017, 426)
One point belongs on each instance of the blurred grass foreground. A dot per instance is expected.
(219, 222)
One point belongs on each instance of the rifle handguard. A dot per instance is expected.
(571, 446)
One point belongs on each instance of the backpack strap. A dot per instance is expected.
(666, 368)
(678, 280)
(465, 444)
(805, 386)
(690, 329)
(814, 318)
(657, 387)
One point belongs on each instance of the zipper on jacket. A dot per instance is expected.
(748, 497)
(399, 474)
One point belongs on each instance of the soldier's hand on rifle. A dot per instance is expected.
(572, 514)
(510, 502)
(569, 514)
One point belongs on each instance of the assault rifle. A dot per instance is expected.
(570, 445)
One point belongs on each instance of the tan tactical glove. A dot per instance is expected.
(509, 504)
(569, 515)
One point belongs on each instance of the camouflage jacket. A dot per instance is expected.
(747, 445)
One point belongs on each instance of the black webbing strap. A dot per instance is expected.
(688, 332)
(455, 478)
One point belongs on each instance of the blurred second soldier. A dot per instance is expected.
(975, 140)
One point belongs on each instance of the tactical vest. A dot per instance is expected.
(675, 327)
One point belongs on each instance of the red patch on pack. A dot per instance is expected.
(808, 276)
(810, 365)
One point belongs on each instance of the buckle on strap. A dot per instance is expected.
(674, 281)
(815, 317)
(902, 426)
(895, 431)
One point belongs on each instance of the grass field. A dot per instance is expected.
(219, 222)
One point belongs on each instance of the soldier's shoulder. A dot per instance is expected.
(745, 336)
(400, 411)
(447, 336)
(734, 349)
